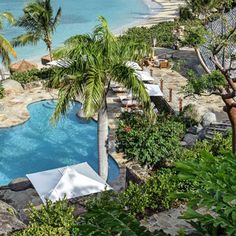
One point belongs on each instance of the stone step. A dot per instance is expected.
(212, 132)
(209, 137)
(221, 124)
(218, 129)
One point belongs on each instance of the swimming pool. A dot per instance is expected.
(36, 145)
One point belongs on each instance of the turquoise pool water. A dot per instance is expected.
(80, 16)
(36, 145)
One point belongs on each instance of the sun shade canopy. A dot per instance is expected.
(70, 182)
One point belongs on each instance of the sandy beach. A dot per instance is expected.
(168, 11)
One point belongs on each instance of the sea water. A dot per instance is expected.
(79, 16)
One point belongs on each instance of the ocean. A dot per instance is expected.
(80, 16)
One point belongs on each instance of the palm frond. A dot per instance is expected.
(7, 16)
(94, 91)
(25, 39)
(6, 46)
(71, 86)
(56, 18)
(129, 79)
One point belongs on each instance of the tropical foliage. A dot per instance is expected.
(207, 83)
(204, 9)
(149, 144)
(59, 219)
(39, 23)
(6, 49)
(215, 195)
(155, 194)
(94, 61)
(34, 75)
(51, 219)
(162, 32)
(111, 219)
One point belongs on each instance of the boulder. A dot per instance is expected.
(8, 220)
(12, 86)
(190, 139)
(192, 114)
(208, 118)
(20, 199)
(195, 129)
(20, 184)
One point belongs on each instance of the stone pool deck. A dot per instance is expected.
(13, 107)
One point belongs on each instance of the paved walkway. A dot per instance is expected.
(175, 81)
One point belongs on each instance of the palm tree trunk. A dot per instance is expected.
(103, 142)
(50, 52)
(48, 42)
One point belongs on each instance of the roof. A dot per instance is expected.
(22, 66)
(219, 27)
(70, 182)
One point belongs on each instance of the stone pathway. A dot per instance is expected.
(169, 222)
(175, 81)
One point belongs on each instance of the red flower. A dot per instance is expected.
(127, 129)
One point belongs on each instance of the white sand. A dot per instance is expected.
(168, 12)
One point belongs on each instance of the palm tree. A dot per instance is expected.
(39, 23)
(6, 49)
(96, 61)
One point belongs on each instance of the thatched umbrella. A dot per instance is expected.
(45, 59)
(22, 66)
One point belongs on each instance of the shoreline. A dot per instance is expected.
(168, 12)
(160, 11)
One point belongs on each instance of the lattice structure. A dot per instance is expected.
(216, 29)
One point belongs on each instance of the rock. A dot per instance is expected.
(169, 222)
(202, 134)
(12, 86)
(8, 220)
(190, 139)
(183, 144)
(2, 107)
(195, 129)
(20, 184)
(208, 118)
(192, 114)
(20, 199)
(34, 84)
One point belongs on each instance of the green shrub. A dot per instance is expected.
(113, 220)
(103, 217)
(2, 93)
(216, 193)
(163, 32)
(149, 144)
(217, 146)
(42, 230)
(51, 219)
(33, 75)
(155, 194)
